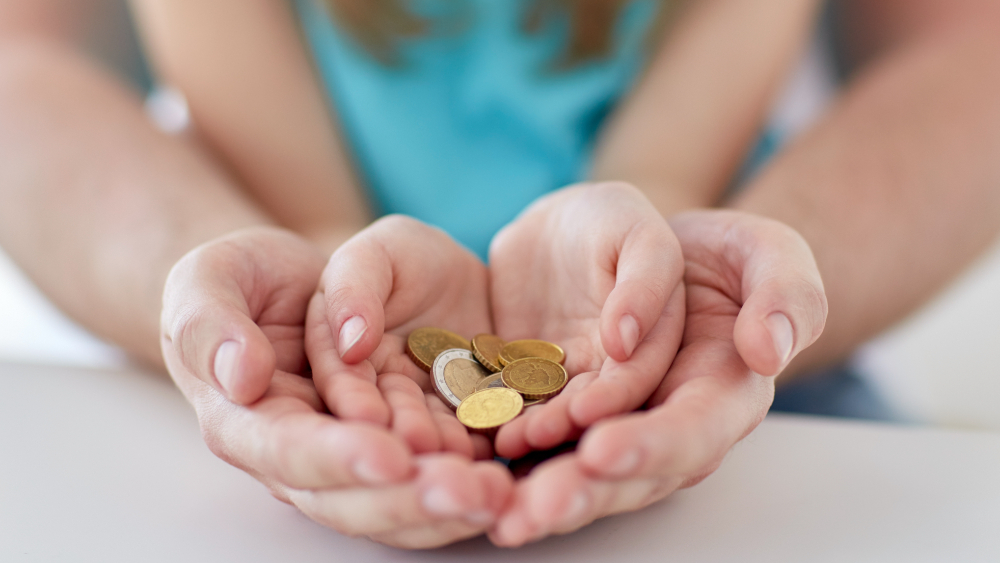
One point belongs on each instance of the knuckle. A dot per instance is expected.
(616, 189)
(399, 224)
(338, 295)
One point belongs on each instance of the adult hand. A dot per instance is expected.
(395, 276)
(232, 337)
(597, 270)
(754, 300)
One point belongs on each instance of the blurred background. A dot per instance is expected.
(941, 366)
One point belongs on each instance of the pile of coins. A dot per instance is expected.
(488, 381)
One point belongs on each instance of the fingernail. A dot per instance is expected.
(629, 329)
(577, 508)
(351, 332)
(226, 358)
(781, 334)
(368, 474)
(625, 465)
(440, 502)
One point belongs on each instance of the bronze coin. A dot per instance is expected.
(535, 378)
(520, 349)
(486, 348)
(424, 344)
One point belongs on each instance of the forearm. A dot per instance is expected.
(686, 127)
(896, 190)
(95, 204)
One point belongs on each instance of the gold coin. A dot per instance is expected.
(424, 344)
(490, 382)
(535, 378)
(455, 374)
(489, 409)
(486, 348)
(520, 349)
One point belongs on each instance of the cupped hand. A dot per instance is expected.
(754, 300)
(395, 276)
(232, 333)
(596, 269)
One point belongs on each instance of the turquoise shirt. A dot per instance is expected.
(473, 126)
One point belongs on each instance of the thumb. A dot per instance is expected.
(214, 296)
(648, 271)
(356, 285)
(784, 304)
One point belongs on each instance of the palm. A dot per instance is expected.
(540, 291)
(417, 277)
(570, 270)
(741, 271)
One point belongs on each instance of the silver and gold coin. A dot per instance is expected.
(455, 374)
(490, 382)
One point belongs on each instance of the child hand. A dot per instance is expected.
(596, 269)
(395, 276)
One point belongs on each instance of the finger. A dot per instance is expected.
(392, 272)
(216, 296)
(454, 437)
(784, 304)
(283, 439)
(496, 485)
(559, 497)
(543, 426)
(411, 417)
(349, 390)
(446, 488)
(357, 282)
(482, 447)
(430, 536)
(648, 271)
(718, 401)
(625, 386)
(782, 316)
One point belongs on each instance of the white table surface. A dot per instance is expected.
(103, 465)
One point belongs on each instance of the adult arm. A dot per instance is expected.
(97, 205)
(686, 127)
(896, 190)
(257, 103)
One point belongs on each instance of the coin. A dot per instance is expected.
(520, 349)
(486, 348)
(455, 374)
(489, 409)
(535, 378)
(424, 344)
(490, 382)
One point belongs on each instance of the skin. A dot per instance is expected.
(868, 182)
(94, 151)
(253, 287)
(740, 271)
(606, 287)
